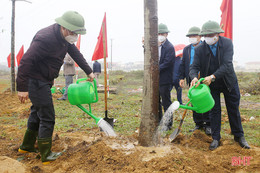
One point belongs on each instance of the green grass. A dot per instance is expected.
(125, 106)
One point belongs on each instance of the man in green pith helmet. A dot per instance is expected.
(166, 66)
(201, 121)
(213, 59)
(38, 68)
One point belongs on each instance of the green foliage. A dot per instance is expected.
(249, 82)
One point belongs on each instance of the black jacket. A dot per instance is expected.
(45, 55)
(166, 63)
(185, 64)
(225, 57)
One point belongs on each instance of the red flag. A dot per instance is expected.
(20, 55)
(101, 47)
(78, 42)
(227, 18)
(78, 46)
(9, 60)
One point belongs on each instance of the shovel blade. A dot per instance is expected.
(174, 134)
(110, 121)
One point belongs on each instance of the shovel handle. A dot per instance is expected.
(182, 119)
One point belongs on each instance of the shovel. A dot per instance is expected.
(177, 131)
(109, 120)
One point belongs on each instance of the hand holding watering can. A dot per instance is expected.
(207, 81)
(200, 97)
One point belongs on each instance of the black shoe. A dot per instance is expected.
(62, 98)
(208, 131)
(242, 142)
(196, 128)
(214, 144)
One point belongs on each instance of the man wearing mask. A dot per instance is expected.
(201, 120)
(38, 68)
(166, 67)
(213, 59)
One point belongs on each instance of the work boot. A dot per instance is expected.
(196, 128)
(214, 144)
(208, 130)
(28, 142)
(242, 142)
(45, 149)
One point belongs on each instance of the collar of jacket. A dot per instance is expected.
(59, 35)
(165, 43)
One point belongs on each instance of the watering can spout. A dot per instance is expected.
(188, 107)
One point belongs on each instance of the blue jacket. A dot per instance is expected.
(225, 57)
(185, 64)
(166, 63)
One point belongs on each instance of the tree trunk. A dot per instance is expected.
(150, 104)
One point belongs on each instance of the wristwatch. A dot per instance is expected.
(212, 78)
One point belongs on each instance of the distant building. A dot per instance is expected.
(252, 66)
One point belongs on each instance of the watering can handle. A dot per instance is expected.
(200, 80)
(95, 86)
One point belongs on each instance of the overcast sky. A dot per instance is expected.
(125, 24)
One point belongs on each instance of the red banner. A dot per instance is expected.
(101, 47)
(227, 18)
(20, 55)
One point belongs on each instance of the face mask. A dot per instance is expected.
(211, 40)
(71, 38)
(161, 38)
(193, 40)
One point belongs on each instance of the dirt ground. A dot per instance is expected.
(84, 152)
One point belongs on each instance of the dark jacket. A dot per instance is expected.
(166, 63)
(176, 73)
(96, 67)
(185, 64)
(225, 57)
(45, 55)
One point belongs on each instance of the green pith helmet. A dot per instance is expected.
(193, 31)
(72, 21)
(162, 28)
(210, 27)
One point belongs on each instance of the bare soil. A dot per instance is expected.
(93, 152)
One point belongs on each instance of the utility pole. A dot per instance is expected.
(12, 49)
(111, 52)
(150, 103)
(13, 45)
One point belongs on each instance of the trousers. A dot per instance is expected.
(42, 115)
(232, 100)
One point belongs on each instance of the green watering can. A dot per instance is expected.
(53, 89)
(62, 90)
(200, 98)
(83, 93)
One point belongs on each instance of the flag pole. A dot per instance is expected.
(105, 66)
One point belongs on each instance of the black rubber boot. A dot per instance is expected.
(45, 149)
(28, 142)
